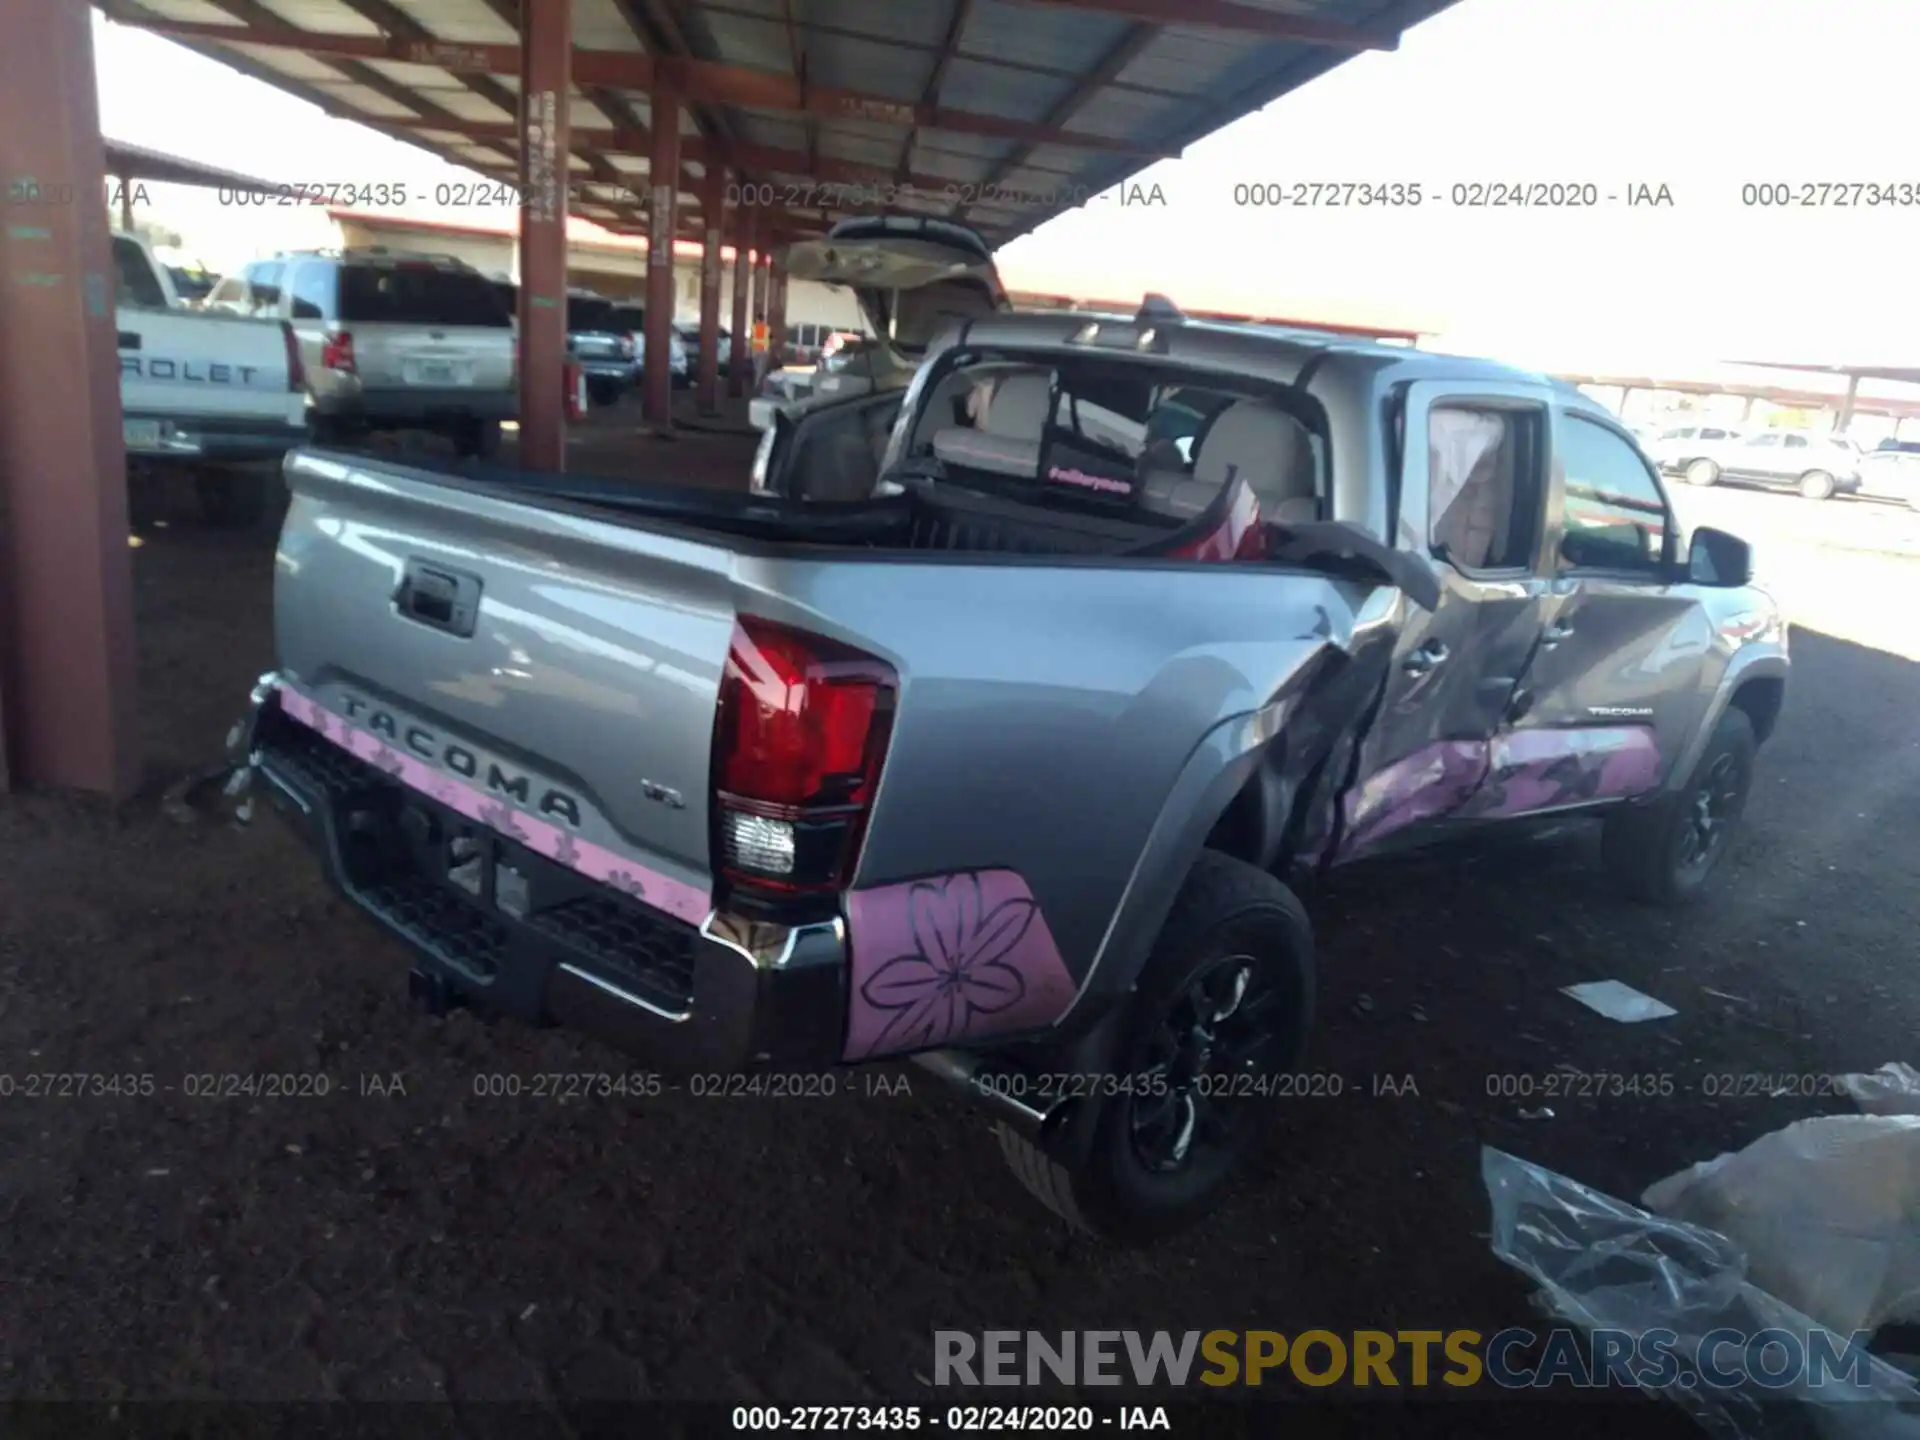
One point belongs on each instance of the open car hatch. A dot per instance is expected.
(913, 278)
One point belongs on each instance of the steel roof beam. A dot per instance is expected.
(1122, 53)
(657, 26)
(918, 48)
(508, 13)
(700, 80)
(637, 140)
(930, 92)
(1241, 19)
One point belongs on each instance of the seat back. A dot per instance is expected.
(1267, 446)
(1007, 438)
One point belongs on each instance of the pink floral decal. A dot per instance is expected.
(942, 960)
(502, 818)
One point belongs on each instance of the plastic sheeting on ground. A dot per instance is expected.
(1815, 1227)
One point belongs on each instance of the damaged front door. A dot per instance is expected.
(1473, 491)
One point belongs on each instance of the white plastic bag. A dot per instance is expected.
(1893, 1089)
(1604, 1264)
(1827, 1211)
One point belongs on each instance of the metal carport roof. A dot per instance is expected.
(1001, 113)
(127, 161)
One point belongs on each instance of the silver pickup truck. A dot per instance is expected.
(1011, 758)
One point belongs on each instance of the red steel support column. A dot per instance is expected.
(777, 310)
(664, 175)
(546, 48)
(713, 212)
(126, 204)
(739, 359)
(66, 584)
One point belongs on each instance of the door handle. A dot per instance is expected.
(1425, 658)
(1555, 633)
(129, 340)
(444, 599)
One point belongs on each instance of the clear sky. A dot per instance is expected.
(1701, 96)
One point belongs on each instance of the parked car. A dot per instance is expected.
(838, 341)
(1818, 466)
(390, 340)
(1669, 446)
(809, 341)
(1327, 608)
(633, 319)
(601, 346)
(935, 273)
(579, 394)
(202, 388)
(1892, 472)
(689, 334)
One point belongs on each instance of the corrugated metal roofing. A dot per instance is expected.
(1015, 109)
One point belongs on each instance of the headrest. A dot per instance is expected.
(1021, 405)
(1261, 442)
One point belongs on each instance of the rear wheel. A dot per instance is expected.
(1664, 853)
(1817, 485)
(1223, 1005)
(1702, 472)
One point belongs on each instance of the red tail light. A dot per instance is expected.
(799, 739)
(296, 372)
(336, 353)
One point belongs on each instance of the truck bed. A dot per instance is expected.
(571, 665)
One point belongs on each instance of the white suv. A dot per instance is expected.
(390, 340)
(1670, 447)
(1818, 466)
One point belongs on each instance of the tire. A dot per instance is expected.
(231, 500)
(1702, 472)
(1646, 847)
(477, 440)
(1817, 485)
(1097, 1173)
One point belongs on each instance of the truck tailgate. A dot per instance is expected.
(565, 666)
(187, 365)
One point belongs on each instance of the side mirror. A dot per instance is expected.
(1716, 558)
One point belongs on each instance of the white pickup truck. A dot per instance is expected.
(201, 387)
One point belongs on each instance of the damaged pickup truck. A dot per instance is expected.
(1006, 759)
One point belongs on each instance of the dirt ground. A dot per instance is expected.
(403, 1236)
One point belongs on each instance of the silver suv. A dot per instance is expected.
(390, 340)
(1818, 466)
